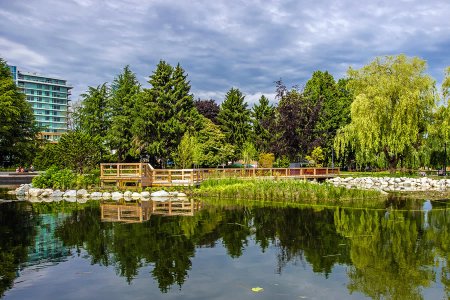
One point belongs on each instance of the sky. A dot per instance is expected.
(246, 44)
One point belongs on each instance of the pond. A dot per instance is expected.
(211, 249)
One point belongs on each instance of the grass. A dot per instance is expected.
(285, 190)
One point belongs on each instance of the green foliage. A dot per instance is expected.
(214, 149)
(79, 151)
(57, 178)
(124, 93)
(281, 162)
(316, 157)
(163, 113)
(334, 113)
(234, 119)
(291, 190)
(266, 160)
(18, 129)
(93, 116)
(187, 153)
(248, 153)
(392, 107)
(262, 118)
(47, 156)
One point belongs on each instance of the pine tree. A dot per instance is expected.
(163, 113)
(93, 116)
(234, 119)
(262, 116)
(124, 93)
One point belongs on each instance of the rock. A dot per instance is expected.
(96, 195)
(56, 193)
(145, 194)
(82, 200)
(46, 193)
(160, 194)
(70, 193)
(70, 199)
(19, 192)
(106, 195)
(182, 195)
(116, 195)
(35, 192)
(81, 193)
(136, 195)
(173, 194)
(127, 194)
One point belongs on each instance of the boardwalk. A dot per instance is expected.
(124, 175)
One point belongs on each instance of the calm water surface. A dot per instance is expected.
(213, 249)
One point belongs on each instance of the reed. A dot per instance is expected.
(280, 190)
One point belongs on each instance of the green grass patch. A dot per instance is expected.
(280, 190)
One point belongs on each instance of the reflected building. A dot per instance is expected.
(46, 246)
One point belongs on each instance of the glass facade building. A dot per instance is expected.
(49, 98)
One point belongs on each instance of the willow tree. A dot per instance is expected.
(439, 129)
(393, 103)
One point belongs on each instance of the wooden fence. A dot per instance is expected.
(125, 175)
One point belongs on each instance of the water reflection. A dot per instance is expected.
(388, 253)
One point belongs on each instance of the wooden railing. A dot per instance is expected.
(142, 174)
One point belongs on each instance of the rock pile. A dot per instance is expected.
(388, 184)
(27, 191)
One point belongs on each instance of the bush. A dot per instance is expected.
(65, 179)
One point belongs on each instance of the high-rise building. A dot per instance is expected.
(49, 98)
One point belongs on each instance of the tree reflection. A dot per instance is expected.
(390, 254)
(17, 232)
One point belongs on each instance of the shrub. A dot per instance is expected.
(57, 178)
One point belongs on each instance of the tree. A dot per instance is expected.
(93, 116)
(124, 92)
(208, 108)
(335, 108)
(262, 116)
(266, 160)
(316, 157)
(187, 152)
(234, 119)
(249, 153)
(439, 128)
(214, 149)
(163, 113)
(18, 129)
(392, 107)
(295, 120)
(79, 151)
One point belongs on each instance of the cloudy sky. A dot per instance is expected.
(246, 44)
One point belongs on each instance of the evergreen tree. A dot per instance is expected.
(18, 129)
(163, 113)
(262, 117)
(124, 93)
(93, 116)
(234, 119)
(335, 108)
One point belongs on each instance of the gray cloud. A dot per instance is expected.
(221, 44)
